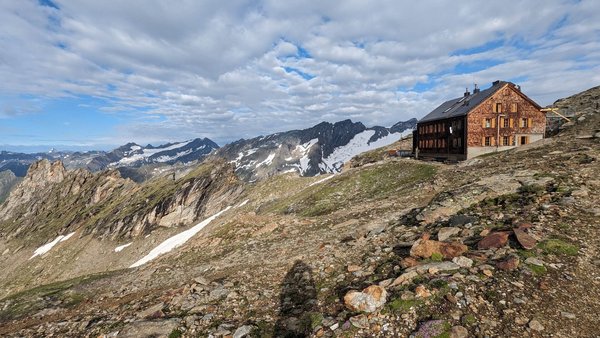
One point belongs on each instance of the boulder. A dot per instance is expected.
(424, 248)
(447, 232)
(509, 264)
(526, 241)
(493, 240)
(368, 300)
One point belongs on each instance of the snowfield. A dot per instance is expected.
(176, 241)
(120, 248)
(46, 247)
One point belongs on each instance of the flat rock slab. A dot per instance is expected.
(149, 329)
(525, 239)
(493, 240)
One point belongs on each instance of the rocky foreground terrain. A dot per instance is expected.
(504, 245)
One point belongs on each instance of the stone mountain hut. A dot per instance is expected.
(495, 119)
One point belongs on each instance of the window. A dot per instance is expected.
(506, 122)
(488, 123)
(505, 141)
(524, 122)
(523, 140)
(513, 107)
(498, 107)
(488, 141)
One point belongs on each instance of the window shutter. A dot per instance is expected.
(501, 121)
(511, 122)
(483, 122)
(493, 107)
(483, 141)
(493, 123)
(529, 122)
(492, 141)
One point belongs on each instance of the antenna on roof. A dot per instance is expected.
(475, 88)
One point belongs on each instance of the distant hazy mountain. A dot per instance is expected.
(323, 148)
(129, 155)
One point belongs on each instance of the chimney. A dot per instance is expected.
(467, 92)
(518, 87)
(495, 82)
(475, 88)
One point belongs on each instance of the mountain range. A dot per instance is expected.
(316, 150)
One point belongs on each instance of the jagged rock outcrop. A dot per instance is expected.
(51, 200)
(7, 181)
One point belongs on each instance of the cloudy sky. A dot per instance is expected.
(101, 73)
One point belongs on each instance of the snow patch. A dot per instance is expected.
(267, 161)
(46, 247)
(147, 153)
(243, 203)
(176, 241)
(359, 144)
(120, 248)
(321, 180)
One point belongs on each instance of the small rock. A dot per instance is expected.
(534, 261)
(487, 272)
(201, 280)
(243, 331)
(509, 264)
(463, 261)
(535, 325)
(422, 292)
(520, 320)
(459, 332)
(408, 262)
(493, 240)
(405, 278)
(568, 315)
(526, 241)
(360, 321)
(369, 300)
(353, 268)
(334, 326)
(447, 232)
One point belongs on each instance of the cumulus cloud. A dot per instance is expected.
(238, 69)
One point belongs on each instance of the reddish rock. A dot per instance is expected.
(525, 239)
(493, 240)
(508, 264)
(451, 250)
(408, 262)
(424, 248)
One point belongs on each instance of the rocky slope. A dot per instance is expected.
(503, 245)
(7, 181)
(321, 149)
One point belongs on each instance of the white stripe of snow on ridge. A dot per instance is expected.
(149, 152)
(243, 203)
(176, 241)
(267, 161)
(120, 248)
(321, 180)
(46, 247)
(359, 144)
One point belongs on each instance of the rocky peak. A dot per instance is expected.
(42, 172)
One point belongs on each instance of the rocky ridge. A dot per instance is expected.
(321, 149)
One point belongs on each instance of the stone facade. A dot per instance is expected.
(502, 119)
(505, 120)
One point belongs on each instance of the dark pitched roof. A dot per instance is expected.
(458, 107)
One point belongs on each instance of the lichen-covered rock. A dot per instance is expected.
(369, 300)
